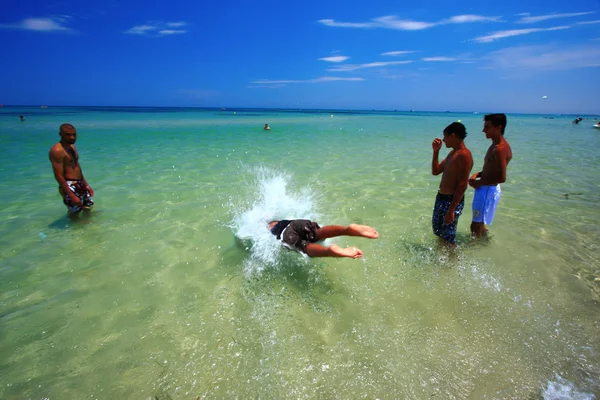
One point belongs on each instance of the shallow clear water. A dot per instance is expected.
(168, 289)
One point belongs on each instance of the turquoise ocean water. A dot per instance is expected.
(172, 288)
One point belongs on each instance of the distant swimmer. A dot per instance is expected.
(22, 118)
(487, 182)
(455, 169)
(301, 235)
(267, 127)
(72, 186)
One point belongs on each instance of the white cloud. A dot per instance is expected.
(354, 67)
(331, 22)
(397, 53)
(530, 20)
(589, 22)
(40, 25)
(141, 29)
(515, 32)
(171, 32)
(176, 24)
(316, 80)
(392, 22)
(158, 29)
(429, 59)
(267, 86)
(335, 59)
(468, 18)
(540, 58)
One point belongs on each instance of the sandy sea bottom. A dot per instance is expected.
(170, 289)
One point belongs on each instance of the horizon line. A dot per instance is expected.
(217, 108)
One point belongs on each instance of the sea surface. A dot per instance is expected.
(171, 288)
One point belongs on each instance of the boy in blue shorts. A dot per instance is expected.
(487, 182)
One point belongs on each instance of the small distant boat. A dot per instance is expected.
(597, 125)
(44, 107)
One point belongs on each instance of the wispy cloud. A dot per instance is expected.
(267, 86)
(397, 53)
(334, 59)
(46, 24)
(469, 18)
(354, 67)
(141, 29)
(589, 22)
(544, 58)
(171, 32)
(392, 22)
(176, 24)
(438, 59)
(334, 23)
(316, 80)
(157, 29)
(515, 32)
(539, 18)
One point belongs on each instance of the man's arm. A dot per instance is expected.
(473, 182)
(463, 168)
(56, 158)
(436, 167)
(86, 185)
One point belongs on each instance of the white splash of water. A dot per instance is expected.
(272, 197)
(562, 389)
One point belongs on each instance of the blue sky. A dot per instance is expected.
(509, 56)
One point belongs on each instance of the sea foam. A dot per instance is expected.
(273, 195)
(562, 389)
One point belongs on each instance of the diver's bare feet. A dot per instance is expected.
(363, 231)
(350, 252)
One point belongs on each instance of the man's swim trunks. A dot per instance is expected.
(77, 187)
(484, 203)
(296, 234)
(445, 231)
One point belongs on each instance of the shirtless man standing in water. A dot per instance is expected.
(72, 186)
(455, 169)
(487, 182)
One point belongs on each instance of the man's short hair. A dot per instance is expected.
(66, 126)
(496, 120)
(457, 128)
